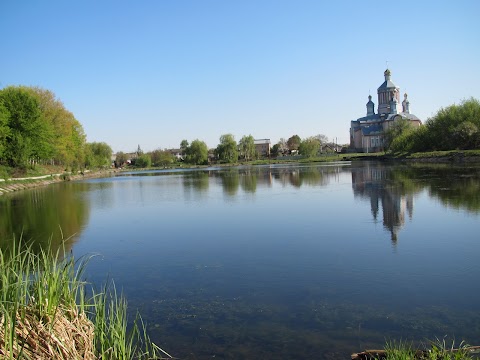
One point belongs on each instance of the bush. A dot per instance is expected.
(143, 161)
(453, 127)
(456, 126)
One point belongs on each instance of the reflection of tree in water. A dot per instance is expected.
(315, 176)
(455, 186)
(40, 215)
(289, 176)
(248, 180)
(294, 178)
(311, 175)
(389, 188)
(196, 180)
(230, 181)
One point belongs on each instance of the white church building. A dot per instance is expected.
(367, 133)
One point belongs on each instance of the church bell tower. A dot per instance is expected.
(387, 92)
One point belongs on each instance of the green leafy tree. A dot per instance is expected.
(197, 153)
(29, 138)
(275, 149)
(403, 142)
(39, 128)
(98, 155)
(294, 142)
(467, 135)
(309, 147)
(446, 129)
(4, 129)
(227, 150)
(422, 139)
(78, 145)
(143, 161)
(453, 127)
(68, 136)
(183, 147)
(411, 140)
(247, 147)
(396, 129)
(161, 158)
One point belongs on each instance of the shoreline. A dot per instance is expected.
(18, 184)
(457, 157)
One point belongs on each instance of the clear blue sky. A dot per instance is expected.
(152, 73)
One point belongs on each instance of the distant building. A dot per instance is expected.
(177, 153)
(262, 147)
(367, 133)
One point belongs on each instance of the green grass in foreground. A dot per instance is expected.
(436, 350)
(45, 312)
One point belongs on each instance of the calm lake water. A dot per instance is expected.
(276, 262)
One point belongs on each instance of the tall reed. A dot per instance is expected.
(45, 311)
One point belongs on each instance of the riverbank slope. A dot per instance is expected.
(17, 184)
(451, 156)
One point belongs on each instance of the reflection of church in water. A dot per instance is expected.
(373, 182)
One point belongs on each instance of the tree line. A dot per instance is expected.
(227, 151)
(451, 128)
(36, 128)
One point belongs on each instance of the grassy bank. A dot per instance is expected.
(432, 350)
(431, 156)
(39, 170)
(48, 311)
(452, 155)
